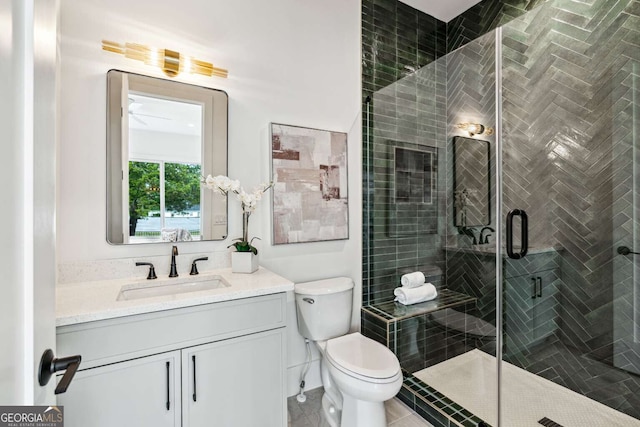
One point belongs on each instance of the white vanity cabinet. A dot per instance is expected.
(219, 364)
(139, 392)
(246, 390)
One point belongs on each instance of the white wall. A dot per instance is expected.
(289, 61)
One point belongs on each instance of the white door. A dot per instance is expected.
(27, 254)
(142, 392)
(235, 383)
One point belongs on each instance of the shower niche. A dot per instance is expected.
(413, 196)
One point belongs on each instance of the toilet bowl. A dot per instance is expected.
(367, 373)
(358, 373)
(364, 373)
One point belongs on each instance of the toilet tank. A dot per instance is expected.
(324, 308)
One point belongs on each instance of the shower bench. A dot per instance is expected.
(422, 335)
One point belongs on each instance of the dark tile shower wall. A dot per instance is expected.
(483, 18)
(563, 64)
(397, 42)
(406, 110)
(568, 117)
(471, 98)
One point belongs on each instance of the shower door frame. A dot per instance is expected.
(499, 217)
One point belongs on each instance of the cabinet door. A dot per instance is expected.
(545, 309)
(519, 298)
(530, 310)
(235, 383)
(141, 392)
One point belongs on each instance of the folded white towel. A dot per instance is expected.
(408, 296)
(412, 280)
(175, 235)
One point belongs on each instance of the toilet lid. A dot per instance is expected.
(362, 356)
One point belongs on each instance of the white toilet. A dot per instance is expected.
(358, 373)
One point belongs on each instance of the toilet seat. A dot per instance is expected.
(363, 358)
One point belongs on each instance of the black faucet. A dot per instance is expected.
(152, 271)
(469, 232)
(194, 268)
(174, 271)
(485, 240)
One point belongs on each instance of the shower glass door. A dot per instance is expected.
(568, 141)
(508, 171)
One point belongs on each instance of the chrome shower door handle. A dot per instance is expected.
(524, 234)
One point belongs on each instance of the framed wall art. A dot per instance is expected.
(310, 192)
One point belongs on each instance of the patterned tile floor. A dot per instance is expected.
(309, 414)
(570, 368)
(469, 380)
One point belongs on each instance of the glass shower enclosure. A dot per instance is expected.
(507, 171)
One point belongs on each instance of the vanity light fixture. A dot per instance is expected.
(475, 129)
(169, 61)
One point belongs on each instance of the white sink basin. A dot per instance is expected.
(170, 287)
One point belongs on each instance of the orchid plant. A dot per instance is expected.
(224, 185)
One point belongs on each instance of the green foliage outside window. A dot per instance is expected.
(182, 189)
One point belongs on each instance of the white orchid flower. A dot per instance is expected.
(223, 185)
(210, 182)
(223, 182)
(249, 201)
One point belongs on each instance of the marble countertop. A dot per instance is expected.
(98, 300)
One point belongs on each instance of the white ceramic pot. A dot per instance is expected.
(243, 262)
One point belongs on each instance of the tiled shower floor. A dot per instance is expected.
(570, 368)
(309, 413)
(469, 380)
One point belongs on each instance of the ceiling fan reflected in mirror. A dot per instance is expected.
(135, 105)
(158, 114)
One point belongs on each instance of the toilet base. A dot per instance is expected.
(330, 412)
(360, 413)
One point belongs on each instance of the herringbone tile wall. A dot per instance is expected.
(626, 269)
(483, 18)
(562, 67)
(568, 119)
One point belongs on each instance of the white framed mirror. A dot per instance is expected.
(162, 137)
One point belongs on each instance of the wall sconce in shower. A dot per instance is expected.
(475, 129)
(170, 62)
